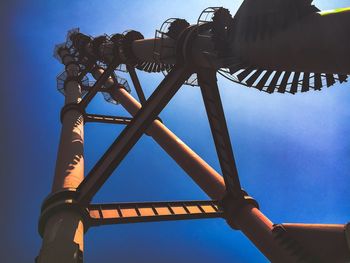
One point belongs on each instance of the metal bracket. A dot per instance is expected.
(69, 107)
(233, 204)
(62, 200)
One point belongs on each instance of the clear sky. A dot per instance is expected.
(292, 152)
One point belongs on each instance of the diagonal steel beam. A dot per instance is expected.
(98, 84)
(215, 112)
(122, 213)
(136, 82)
(132, 133)
(201, 172)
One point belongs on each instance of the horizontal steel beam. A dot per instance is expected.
(122, 213)
(107, 119)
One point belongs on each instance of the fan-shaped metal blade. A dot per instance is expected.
(273, 83)
(306, 82)
(263, 80)
(254, 77)
(318, 81)
(284, 82)
(295, 83)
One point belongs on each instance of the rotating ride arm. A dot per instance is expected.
(289, 46)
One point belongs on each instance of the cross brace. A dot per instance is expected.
(132, 133)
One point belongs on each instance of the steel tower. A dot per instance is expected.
(256, 48)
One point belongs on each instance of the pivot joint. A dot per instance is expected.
(233, 204)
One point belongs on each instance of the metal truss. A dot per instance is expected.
(290, 242)
(132, 133)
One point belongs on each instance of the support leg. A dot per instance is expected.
(63, 237)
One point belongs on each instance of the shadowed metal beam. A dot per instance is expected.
(212, 101)
(318, 42)
(106, 119)
(132, 133)
(122, 213)
(315, 242)
(98, 84)
(136, 82)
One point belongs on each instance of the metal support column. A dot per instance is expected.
(63, 229)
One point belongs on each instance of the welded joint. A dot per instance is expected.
(71, 106)
(65, 200)
(232, 205)
(156, 119)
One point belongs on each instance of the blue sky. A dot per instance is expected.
(292, 152)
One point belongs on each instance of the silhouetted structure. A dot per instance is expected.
(283, 46)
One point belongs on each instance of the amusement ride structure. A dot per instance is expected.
(284, 46)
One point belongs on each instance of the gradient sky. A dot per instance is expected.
(292, 152)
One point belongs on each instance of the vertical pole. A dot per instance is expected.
(63, 233)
